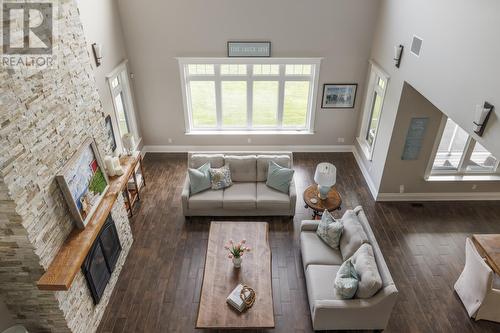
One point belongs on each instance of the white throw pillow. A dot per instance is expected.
(369, 277)
(353, 235)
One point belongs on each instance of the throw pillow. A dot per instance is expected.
(279, 177)
(353, 235)
(199, 179)
(346, 281)
(330, 230)
(221, 178)
(365, 264)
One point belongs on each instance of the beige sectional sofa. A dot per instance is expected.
(321, 264)
(249, 195)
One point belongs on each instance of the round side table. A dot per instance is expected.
(331, 203)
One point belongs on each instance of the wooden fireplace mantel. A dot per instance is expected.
(68, 261)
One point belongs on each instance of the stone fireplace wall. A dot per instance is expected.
(44, 116)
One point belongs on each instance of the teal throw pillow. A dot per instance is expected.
(330, 230)
(221, 178)
(346, 281)
(279, 177)
(199, 179)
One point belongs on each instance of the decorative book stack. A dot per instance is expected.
(234, 299)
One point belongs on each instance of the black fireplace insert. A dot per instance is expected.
(101, 259)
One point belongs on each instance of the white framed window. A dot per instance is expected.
(457, 153)
(123, 103)
(235, 95)
(373, 106)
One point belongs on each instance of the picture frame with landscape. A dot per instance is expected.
(339, 95)
(83, 182)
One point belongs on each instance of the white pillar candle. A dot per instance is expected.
(108, 163)
(117, 166)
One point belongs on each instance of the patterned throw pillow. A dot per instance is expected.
(346, 281)
(221, 178)
(330, 230)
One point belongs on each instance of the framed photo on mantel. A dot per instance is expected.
(83, 182)
(248, 49)
(339, 96)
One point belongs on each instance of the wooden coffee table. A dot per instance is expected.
(331, 203)
(220, 278)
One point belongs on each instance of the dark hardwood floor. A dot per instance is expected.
(159, 287)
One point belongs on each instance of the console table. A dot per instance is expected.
(136, 178)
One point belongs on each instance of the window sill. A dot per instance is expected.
(463, 178)
(291, 132)
(364, 148)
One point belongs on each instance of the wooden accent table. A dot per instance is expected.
(220, 278)
(68, 261)
(132, 194)
(331, 203)
(488, 245)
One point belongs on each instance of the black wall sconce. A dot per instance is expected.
(481, 117)
(97, 49)
(398, 54)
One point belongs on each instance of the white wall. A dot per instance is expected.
(458, 66)
(158, 31)
(102, 25)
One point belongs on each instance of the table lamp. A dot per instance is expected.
(325, 177)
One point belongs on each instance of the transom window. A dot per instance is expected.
(249, 94)
(459, 153)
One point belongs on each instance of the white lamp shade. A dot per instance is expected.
(128, 142)
(326, 174)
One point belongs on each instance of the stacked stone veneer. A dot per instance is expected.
(44, 117)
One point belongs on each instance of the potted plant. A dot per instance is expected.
(236, 251)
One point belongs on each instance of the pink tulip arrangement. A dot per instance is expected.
(236, 250)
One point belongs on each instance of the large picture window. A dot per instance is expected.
(459, 154)
(249, 94)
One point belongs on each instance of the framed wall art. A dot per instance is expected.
(339, 96)
(111, 133)
(83, 182)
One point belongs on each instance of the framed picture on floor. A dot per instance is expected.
(339, 95)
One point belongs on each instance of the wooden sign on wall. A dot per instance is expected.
(248, 49)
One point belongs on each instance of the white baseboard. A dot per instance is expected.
(366, 174)
(459, 196)
(250, 148)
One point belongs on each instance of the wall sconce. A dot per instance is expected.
(398, 54)
(481, 117)
(97, 48)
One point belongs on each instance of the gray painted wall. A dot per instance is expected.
(457, 68)
(411, 173)
(158, 31)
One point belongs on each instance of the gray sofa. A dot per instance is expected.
(249, 195)
(321, 264)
